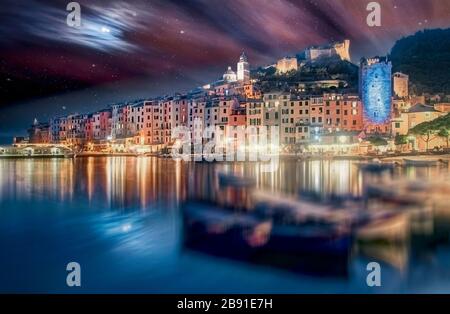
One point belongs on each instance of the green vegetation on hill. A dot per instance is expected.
(425, 57)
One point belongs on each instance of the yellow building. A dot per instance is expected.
(400, 83)
(415, 115)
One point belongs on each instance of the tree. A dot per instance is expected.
(425, 131)
(444, 133)
(401, 140)
(377, 141)
(429, 130)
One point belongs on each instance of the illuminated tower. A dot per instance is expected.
(243, 69)
(376, 90)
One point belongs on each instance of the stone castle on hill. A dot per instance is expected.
(339, 50)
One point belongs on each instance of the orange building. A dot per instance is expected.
(342, 113)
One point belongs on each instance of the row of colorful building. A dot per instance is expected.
(383, 106)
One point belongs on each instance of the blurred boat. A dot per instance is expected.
(334, 200)
(420, 162)
(382, 226)
(376, 167)
(376, 225)
(396, 255)
(226, 179)
(427, 202)
(253, 232)
(312, 238)
(222, 232)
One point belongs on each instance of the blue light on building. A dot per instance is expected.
(376, 89)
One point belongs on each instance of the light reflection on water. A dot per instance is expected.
(119, 218)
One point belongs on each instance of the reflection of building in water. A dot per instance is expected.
(331, 177)
(37, 179)
(121, 183)
(322, 176)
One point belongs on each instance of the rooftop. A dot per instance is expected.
(422, 108)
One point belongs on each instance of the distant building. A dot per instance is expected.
(342, 113)
(376, 91)
(250, 90)
(321, 84)
(287, 64)
(400, 83)
(230, 76)
(442, 107)
(101, 125)
(422, 113)
(58, 130)
(243, 69)
(417, 114)
(339, 49)
(39, 133)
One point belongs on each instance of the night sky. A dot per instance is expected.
(128, 49)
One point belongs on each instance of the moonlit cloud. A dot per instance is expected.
(100, 31)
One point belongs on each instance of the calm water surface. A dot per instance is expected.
(119, 218)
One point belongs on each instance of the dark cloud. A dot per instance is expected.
(164, 39)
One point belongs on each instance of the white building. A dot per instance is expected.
(243, 69)
(229, 76)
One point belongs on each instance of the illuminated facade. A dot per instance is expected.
(287, 64)
(400, 83)
(243, 69)
(376, 90)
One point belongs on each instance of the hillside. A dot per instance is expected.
(425, 57)
(327, 69)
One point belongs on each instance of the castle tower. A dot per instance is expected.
(376, 89)
(243, 69)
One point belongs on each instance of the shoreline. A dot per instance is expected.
(392, 158)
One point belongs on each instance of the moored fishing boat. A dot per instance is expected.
(424, 201)
(221, 232)
(255, 232)
(383, 226)
(376, 167)
(374, 225)
(420, 162)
